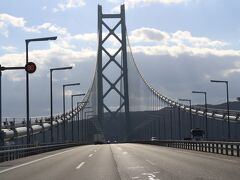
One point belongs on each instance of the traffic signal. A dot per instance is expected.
(30, 67)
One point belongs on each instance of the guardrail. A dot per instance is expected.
(8, 153)
(217, 147)
(13, 129)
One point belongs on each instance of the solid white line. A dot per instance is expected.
(34, 161)
(211, 157)
(150, 162)
(80, 165)
(90, 155)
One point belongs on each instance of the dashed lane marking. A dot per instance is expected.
(34, 161)
(80, 165)
(90, 155)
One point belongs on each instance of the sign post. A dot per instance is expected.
(30, 67)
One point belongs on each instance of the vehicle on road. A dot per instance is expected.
(197, 134)
(154, 139)
(98, 139)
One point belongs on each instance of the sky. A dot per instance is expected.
(178, 45)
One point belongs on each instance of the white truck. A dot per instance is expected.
(98, 139)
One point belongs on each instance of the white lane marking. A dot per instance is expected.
(136, 177)
(80, 165)
(125, 152)
(211, 157)
(34, 161)
(136, 167)
(150, 176)
(90, 155)
(150, 162)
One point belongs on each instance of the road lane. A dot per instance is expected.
(122, 162)
(169, 163)
(60, 167)
(101, 166)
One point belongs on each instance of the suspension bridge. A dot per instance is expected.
(123, 109)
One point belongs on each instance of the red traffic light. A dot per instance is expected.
(30, 67)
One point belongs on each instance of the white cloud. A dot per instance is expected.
(85, 37)
(135, 3)
(6, 20)
(49, 27)
(19, 22)
(178, 38)
(181, 37)
(69, 4)
(55, 51)
(115, 1)
(44, 58)
(178, 50)
(148, 35)
(9, 48)
(231, 71)
(174, 44)
(14, 21)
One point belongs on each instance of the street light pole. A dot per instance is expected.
(171, 121)
(85, 113)
(74, 95)
(64, 113)
(206, 110)
(1, 133)
(2, 68)
(27, 41)
(190, 111)
(226, 82)
(51, 97)
(83, 124)
(81, 111)
(179, 122)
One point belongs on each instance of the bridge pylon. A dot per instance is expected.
(120, 85)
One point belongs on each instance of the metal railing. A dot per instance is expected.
(8, 153)
(217, 147)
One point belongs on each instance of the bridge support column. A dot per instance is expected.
(122, 79)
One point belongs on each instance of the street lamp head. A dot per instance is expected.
(61, 68)
(73, 95)
(41, 39)
(87, 107)
(200, 92)
(217, 81)
(73, 84)
(52, 38)
(184, 100)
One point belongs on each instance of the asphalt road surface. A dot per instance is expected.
(122, 162)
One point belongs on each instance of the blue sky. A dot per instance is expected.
(183, 43)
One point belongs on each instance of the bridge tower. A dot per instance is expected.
(122, 79)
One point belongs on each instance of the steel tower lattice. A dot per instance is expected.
(123, 77)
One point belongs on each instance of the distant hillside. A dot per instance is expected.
(235, 105)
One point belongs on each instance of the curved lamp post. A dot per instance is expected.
(206, 119)
(51, 96)
(190, 110)
(74, 95)
(64, 113)
(226, 82)
(27, 41)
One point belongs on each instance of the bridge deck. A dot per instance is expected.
(122, 161)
